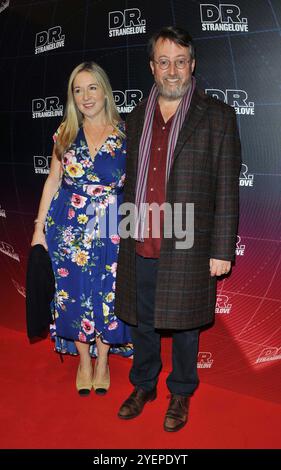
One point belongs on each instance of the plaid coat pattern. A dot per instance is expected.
(205, 172)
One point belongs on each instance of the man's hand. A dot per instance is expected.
(218, 267)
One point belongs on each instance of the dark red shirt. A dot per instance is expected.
(156, 182)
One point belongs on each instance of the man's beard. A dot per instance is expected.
(172, 93)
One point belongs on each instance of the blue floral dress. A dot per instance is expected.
(83, 243)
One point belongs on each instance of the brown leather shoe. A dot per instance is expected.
(133, 406)
(177, 413)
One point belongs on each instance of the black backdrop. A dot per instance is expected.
(238, 60)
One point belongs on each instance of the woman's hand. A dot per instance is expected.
(39, 236)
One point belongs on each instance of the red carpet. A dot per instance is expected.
(40, 408)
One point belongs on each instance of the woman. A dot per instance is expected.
(85, 183)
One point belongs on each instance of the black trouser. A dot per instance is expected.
(147, 364)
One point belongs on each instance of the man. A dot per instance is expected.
(183, 147)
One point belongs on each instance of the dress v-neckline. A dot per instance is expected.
(93, 157)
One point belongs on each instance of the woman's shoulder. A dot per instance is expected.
(57, 132)
(121, 126)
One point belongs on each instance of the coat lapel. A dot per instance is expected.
(139, 125)
(195, 113)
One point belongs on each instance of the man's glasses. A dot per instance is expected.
(164, 64)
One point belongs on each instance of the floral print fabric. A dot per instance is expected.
(83, 242)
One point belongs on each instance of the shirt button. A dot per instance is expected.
(151, 189)
(154, 169)
(163, 128)
(159, 148)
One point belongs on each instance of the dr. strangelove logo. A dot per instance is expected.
(46, 107)
(42, 164)
(127, 22)
(126, 100)
(246, 178)
(238, 99)
(224, 17)
(48, 40)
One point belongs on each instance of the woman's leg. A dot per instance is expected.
(85, 365)
(84, 376)
(101, 369)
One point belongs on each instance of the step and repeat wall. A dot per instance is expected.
(238, 62)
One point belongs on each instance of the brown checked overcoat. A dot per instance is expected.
(205, 172)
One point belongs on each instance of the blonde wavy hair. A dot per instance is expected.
(73, 118)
